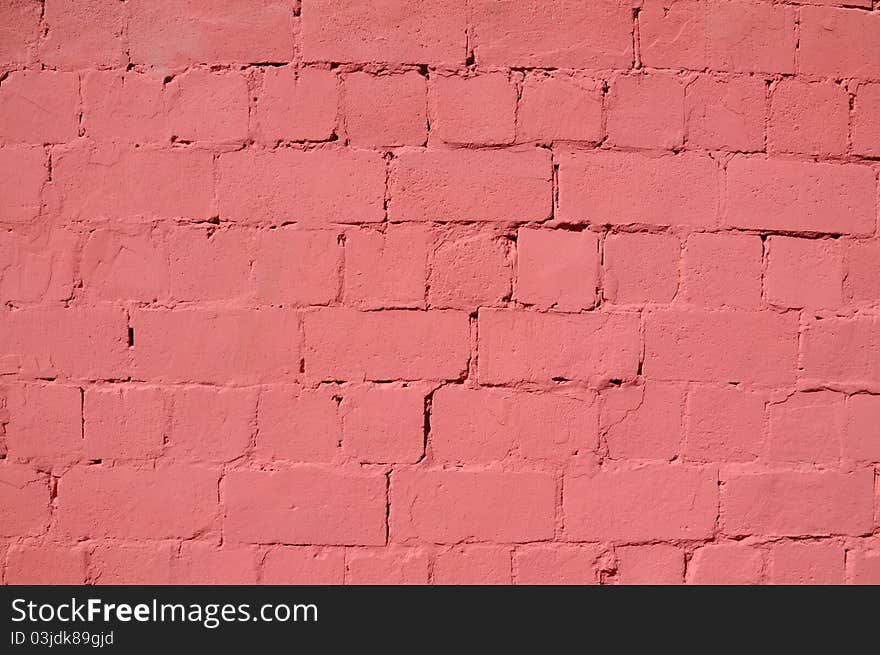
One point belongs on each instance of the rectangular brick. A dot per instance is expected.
(841, 350)
(316, 187)
(122, 502)
(454, 506)
(341, 344)
(658, 502)
(24, 501)
(724, 346)
(305, 505)
(629, 188)
(789, 503)
(517, 346)
(767, 194)
(839, 43)
(221, 346)
(23, 171)
(471, 185)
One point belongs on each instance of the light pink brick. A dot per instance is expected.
(124, 422)
(576, 109)
(39, 107)
(483, 425)
(469, 271)
(726, 113)
(209, 264)
(862, 284)
(124, 107)
(808, 118)
(386, 110)
(807, 428)
(386, 269)
(386, 566)
(746, 36)
(650, 564)
(303, 565)
(804, 272)
(45, 423)
(297, 105)
(23, 171)
(190, 98)
(643, 422)
(518, 346)
(865, 122)
(556, 564)
(834, 350)
(453, 506)
(861, 439)
(114, 260)
(467, 565)
(211, 424)
(383, 423)
(200, 563)
(83, 34)
(838, 43)
(640, 268)
(299, 425)
(723, 564)
(557, 268)
(806, 562)
(114, 562)
(45, 564)
(24, 500)
(298, 267)
(646, 111)
(722, 270)
(478, 110)
(724, 424)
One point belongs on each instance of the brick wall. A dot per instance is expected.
(443, 291)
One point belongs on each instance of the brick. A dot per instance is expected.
(211, 424)
(395, 33)
(121, 184)
(806, 562)
(660, 501)
(484, 425)
(722, 270)
(297, 105)
(298, 267)
(557, 269)
(191, 98)
(386, 110)
(641, 268)
(124, 107)
(807, 428)
(861, 283)
(837, 43)
(300, 425)
(810, 118)
(724, 346)
(865, 124)
(798, 504)
(303, 565)
(834, 351)
(201, 563)
(386, 269)
(724, 424)
(804, 272)
(82, 342)
(642, 422)
(557, 34)
(456, 505)
(745, 36)
(45, 564)
(478, 110)
(174, 34)
(83, 34)
(469, 271)
(469, 565)
(39, 266)
(224, 345)
(209, 264)
(727, 113)
(470, 185)
(316, 187)
(725, 564)
(384, 566)
(646, 111)
(342, 344)
(383, 423)
(24, 501)
(556, 564)
(131, 503)
(23, 172)
(45, 423)
(124, 422)
(800, 196)
(673, 34)
(577, 109)
(861, 440)
(114, 562)
(20, 21)
(650, 564)
(598, 187)
(520, 346)
(114, 260)
(865, 568)
(39, 107)
(305, 505)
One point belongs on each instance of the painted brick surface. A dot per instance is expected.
(445, 291)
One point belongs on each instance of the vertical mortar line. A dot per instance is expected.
(637, 55)
(797, 38)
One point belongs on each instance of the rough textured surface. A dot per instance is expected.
(449, 291)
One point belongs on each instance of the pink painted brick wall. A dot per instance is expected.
(449, 291)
